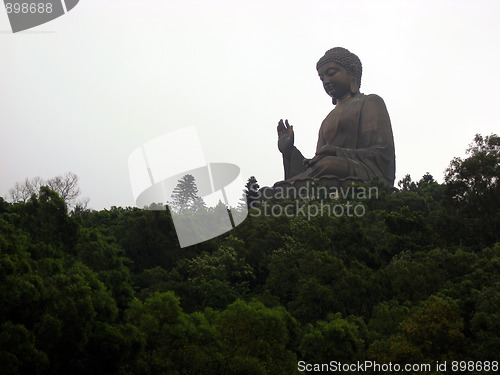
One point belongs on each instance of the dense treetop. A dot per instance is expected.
(415, 279)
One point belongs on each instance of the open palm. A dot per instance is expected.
(285, 137)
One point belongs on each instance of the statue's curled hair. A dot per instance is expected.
(342, 56)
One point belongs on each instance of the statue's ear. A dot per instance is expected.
(334, 101)
(354, 86)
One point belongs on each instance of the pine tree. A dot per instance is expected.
(251, 192)
(185, 196)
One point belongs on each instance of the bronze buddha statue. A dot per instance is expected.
(355, 141)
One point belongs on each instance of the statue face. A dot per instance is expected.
(336, 80)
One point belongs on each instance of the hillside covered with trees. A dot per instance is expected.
(415, 279)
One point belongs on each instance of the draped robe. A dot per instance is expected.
(359, 129)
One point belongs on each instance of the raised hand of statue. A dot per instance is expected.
(285, 137)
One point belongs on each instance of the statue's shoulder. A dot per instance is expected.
(372, 102)
(373, 99)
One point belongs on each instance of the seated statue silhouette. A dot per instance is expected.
(355, 142)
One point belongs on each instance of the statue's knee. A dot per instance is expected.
(331, 165)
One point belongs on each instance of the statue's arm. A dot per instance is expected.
(294, 163)
(375, 151)
(374, 128)
(293, 160)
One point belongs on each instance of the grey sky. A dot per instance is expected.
(82, 92)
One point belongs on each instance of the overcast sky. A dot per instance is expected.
(82, 92)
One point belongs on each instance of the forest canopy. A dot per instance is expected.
(415, 279)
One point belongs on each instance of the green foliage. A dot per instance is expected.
(334, 338)
(472, 191)
(173, 342)
(477, 175)
(415, 280)
(385, 319)
(433, 332)
(18, 352)
(106, 258)
(256, 338)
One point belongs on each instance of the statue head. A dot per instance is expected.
(347, 60)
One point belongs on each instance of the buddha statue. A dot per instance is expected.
(355, 141)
